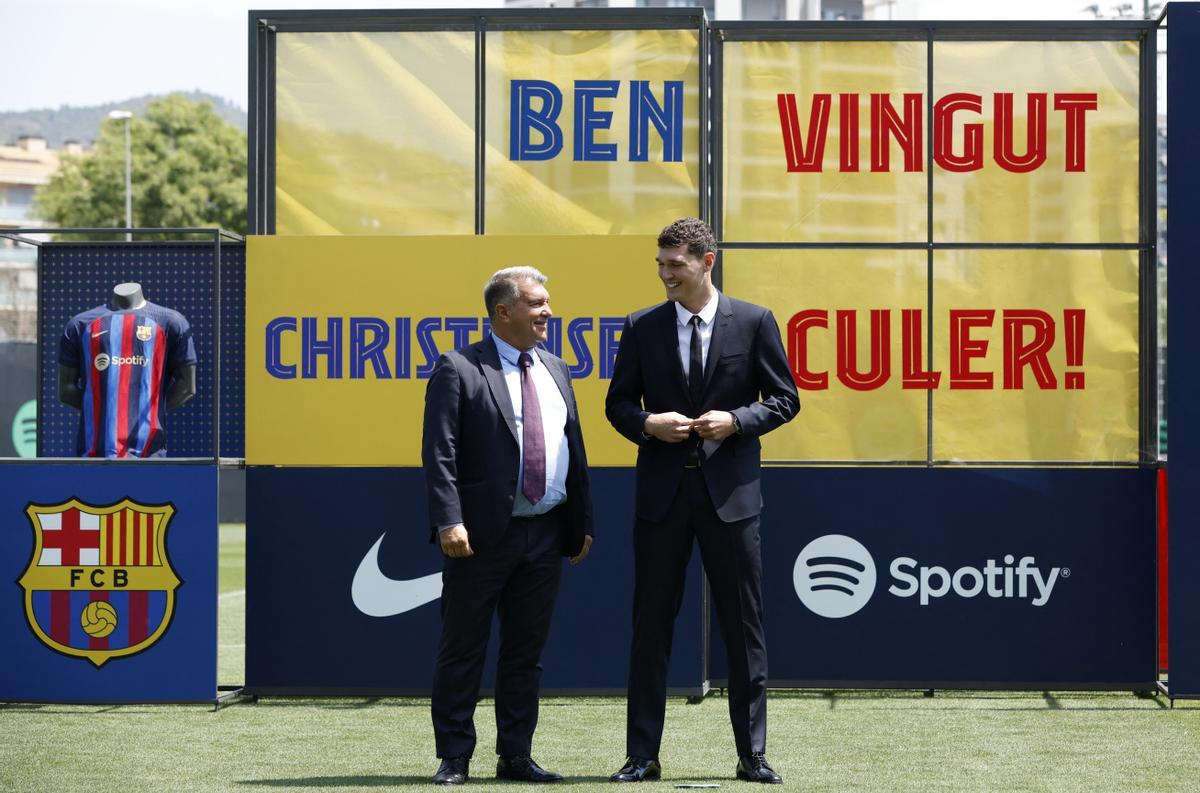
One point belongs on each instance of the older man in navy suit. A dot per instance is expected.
(507, 481)
(697, 380)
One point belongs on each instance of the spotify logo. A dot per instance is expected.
(834, 576)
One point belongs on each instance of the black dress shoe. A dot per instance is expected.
(754, 768)
(638, 769)
(522, 768)
(453, 771)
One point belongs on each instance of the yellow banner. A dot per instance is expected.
(1052, 373)
(375, 133)
(806, 290)
(830, 141)
(1044, 149)
(342, 334)
(800, 160)
(591, 131)
(1034, 353)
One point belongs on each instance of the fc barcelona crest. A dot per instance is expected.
(145, 333)
(99, 584)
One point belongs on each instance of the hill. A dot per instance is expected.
(80, 123)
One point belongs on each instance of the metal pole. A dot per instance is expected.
(128, 185)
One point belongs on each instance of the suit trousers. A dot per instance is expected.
(518, 578)
(733, 564)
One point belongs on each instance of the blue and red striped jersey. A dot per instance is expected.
(125, 359)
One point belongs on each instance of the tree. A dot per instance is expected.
(188, 169)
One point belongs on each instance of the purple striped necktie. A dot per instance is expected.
(533, 441)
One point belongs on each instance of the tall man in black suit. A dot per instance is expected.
(697, 380)
(508, 492)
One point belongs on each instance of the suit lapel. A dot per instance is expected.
(721, 328)
(489, 362)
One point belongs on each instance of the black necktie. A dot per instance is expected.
(696, 365)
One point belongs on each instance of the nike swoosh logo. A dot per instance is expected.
(98, 335)
(376, 595)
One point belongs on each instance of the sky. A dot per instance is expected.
(86, 52)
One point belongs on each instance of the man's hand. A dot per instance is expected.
(668, 427)
(715, 425)
(587, 546)
(454, 542)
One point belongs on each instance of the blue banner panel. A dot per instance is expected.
(1007, 578)
(113, 582)
(328, 548)
(1183, 196)
(179, 275)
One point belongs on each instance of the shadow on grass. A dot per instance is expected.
(390, 781)
(336, 781)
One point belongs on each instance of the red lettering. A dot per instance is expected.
(886, 123)
(1035, 134)
(1018, 353)
(797, 334)
(1075, 106)
(1073, 322)
(913, 340)
(847, 350)
(848, 131)
(963, 348)
(806, 156)
(943, 133)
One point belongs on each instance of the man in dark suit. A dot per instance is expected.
(507, 481)
(697, 380)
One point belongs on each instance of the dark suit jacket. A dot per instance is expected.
(470, 453)
(746, 373)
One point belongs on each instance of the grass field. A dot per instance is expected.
(820, 740)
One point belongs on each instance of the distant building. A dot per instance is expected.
(732, 10)
(23, 168)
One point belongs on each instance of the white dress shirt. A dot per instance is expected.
(554, 427)
(683, 328)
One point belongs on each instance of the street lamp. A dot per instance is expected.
(125, 115)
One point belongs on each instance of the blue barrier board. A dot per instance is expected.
(112, 571)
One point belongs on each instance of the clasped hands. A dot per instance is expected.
(455, 543)
(715, 425)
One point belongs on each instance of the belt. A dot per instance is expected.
(553, 513)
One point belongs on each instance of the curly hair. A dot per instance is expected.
(692, 232)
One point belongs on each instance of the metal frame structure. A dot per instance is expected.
(217, 235)
(264, 25)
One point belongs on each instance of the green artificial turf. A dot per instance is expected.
(824, 741)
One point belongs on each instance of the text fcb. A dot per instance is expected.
(99, 584)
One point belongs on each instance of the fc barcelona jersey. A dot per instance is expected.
(125, 359)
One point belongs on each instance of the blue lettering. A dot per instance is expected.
(644, 110)
(275, 365)
(363, 351)
(583, 356)
(588, 119)
(403, 353)
(523, 119)
(312, 347)
(462, 327)
(425, 329)
(609, 343)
